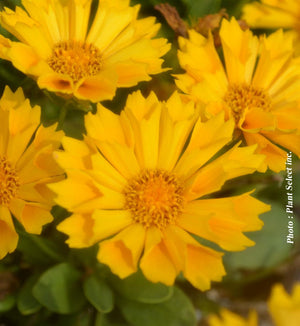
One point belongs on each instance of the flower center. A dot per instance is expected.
(76, 59)
(154, 198)
(9, 181)
(241, 98)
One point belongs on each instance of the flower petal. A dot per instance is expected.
(122, 252)
(8, 236)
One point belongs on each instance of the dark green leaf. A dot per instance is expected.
(98, 294)
(39, 250)
(26, 302)
(137, 287)
(202, 8)
(177, 311)
(7, 303)
(59, 289)
(103, 320)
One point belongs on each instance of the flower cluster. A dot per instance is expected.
(65, 55)
(27, 166)
(146, 185)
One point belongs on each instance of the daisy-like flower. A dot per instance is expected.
(259, 86)
(59, 49)
(136, 184)
(26, 167)
(275, 14)
(285, 308)
(228, 318)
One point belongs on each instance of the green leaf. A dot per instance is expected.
(137, 287)
(7, 303)
(98, 294)
(39, 250)
(59, 289)
(26, 302)
(271, 247)
(201, 8)
(103, 320)
(177, 311)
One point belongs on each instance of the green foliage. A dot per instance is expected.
(69, 287)
(40, 250)
(176, 311)
(99, 294)
(59, 289)
(26, 302)
(7, 303)
(136, 287)
(201, 8)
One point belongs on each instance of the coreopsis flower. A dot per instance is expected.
(228, 318)
(285, 308)
(275, 14)
(137, 185)
(68, 56)
(259, 86)
(26, 167)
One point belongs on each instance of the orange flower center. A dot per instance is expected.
(76, 59)
(9, 181)
(154, 198)
(241, 98)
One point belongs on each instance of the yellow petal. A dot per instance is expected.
(122, 252)
(199, 54)
(224, 220)
(177, 120)
(79, 228)
(23, 57)
(288, 117)
(90, 195)
(275, 157)
(258, 15)
(32, 215)
(41, 165)
(108, 24)
(200, 149)
(290, 141)
(273, 59)
(105, 126)
(240, 51)
(76, 154)
(110, 222)
(26, 30)
(22, 124)
(131, 72)
(122, 158)
(8, 235)
(257, 119)
(56, 83)
(284, 308)
(203, 265)
(97, 88)
(106, 174)
(156, 254)
(229, 319)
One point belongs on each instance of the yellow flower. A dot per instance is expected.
(275, 14)
(65, 55)
(26, 167)
(285, 308)
(228, 318)
(259, 86)
(134, 185)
